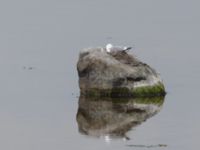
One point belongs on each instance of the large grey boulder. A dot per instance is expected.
(116, 74)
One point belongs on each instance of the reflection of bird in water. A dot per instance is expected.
(110, 48)
(108, 138)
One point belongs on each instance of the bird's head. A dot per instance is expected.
(108, 47)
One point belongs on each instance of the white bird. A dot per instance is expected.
(110, 48)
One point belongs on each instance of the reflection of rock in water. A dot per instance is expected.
(106, 116)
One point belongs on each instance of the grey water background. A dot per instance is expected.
(39, 46)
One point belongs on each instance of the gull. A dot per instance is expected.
(110, 48)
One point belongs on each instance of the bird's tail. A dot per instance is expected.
(127, 49)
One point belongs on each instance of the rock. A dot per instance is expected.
(116, 74)
(114, 117)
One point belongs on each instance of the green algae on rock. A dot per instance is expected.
(147, 91)
(116, 74)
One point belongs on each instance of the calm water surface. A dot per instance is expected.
(40, 107)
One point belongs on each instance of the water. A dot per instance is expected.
(39, 45)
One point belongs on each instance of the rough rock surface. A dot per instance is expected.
(116, 74)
